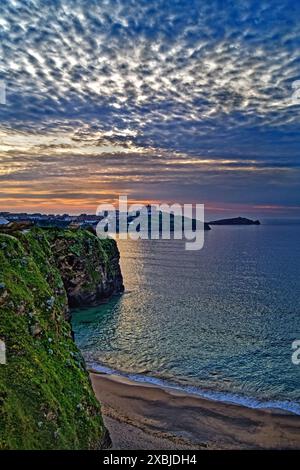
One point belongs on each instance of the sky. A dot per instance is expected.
(186, 101)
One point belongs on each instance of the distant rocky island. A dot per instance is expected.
(91, 220)
(235, 221)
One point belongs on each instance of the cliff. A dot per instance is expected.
(46, 399)
(89, 267)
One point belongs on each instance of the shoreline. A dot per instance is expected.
(284, 407)
(140, 415)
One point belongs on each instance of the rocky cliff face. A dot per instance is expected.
(89, 267)
(46, 399)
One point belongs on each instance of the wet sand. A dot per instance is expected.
(142, 416)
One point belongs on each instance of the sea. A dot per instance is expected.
(219, 323)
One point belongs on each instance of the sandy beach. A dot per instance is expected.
(142, 416)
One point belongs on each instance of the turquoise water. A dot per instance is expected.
(219, 322)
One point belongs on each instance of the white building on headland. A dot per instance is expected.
(3, 221)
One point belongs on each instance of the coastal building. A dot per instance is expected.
(3, 221)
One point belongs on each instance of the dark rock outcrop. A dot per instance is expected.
(235, 221)
(89, 267)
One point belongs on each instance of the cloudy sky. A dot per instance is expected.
(162, 100)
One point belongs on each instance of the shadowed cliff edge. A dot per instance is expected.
(46, 398)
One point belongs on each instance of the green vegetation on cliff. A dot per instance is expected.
(46, 399)
(89, 266)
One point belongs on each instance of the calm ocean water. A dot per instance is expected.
(219, 322)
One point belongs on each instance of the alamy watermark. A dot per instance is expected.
(2, 352)
(153, 222)
(2, 92)
(296, 353)
(295, 98)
